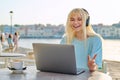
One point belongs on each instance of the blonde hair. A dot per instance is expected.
(87, 30)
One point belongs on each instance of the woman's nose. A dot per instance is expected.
(75, 22)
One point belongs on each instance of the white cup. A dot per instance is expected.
(18, 65)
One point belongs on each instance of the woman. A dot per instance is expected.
(87, 43)
(15, 40)
(10, 42)
(2, 38)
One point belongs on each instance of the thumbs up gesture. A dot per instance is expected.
(91, 63)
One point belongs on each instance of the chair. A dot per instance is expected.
(29, 59)
(104, 68)
(2, 63)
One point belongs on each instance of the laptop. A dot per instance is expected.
(58, 58)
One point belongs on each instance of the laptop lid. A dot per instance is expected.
(55, 58)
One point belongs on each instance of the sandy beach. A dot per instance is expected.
(113, 67)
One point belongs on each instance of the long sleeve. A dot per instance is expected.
(97, 49)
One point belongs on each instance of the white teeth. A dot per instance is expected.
(76, 26)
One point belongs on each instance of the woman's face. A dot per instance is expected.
(76, 22)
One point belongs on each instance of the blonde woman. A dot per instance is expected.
(87, 43)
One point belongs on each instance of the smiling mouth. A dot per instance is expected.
(76, 26)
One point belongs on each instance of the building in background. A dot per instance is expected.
(57, 31)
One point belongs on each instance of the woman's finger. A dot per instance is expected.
(89, 58)
(94, 57)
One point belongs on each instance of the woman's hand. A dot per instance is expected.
(91, 63)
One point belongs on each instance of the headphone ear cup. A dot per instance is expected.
(87, 21)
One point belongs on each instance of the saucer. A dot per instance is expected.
(17, 70)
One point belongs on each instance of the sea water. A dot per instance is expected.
(27, 43)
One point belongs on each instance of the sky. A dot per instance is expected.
(55, 11)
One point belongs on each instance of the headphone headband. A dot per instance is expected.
(88, 19)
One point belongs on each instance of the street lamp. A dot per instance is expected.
(11, 13)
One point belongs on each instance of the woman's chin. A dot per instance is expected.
(77, 29)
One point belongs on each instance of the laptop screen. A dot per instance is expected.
(55, 57)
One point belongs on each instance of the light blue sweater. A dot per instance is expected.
(93, 46)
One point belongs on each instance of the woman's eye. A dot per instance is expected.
(72, 19)
(79, 19)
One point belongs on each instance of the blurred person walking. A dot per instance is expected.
(3, 39)
(15, 41)
(10, 42)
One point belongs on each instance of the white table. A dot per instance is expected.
(12, 55)
(32, 74)
(8, 56)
